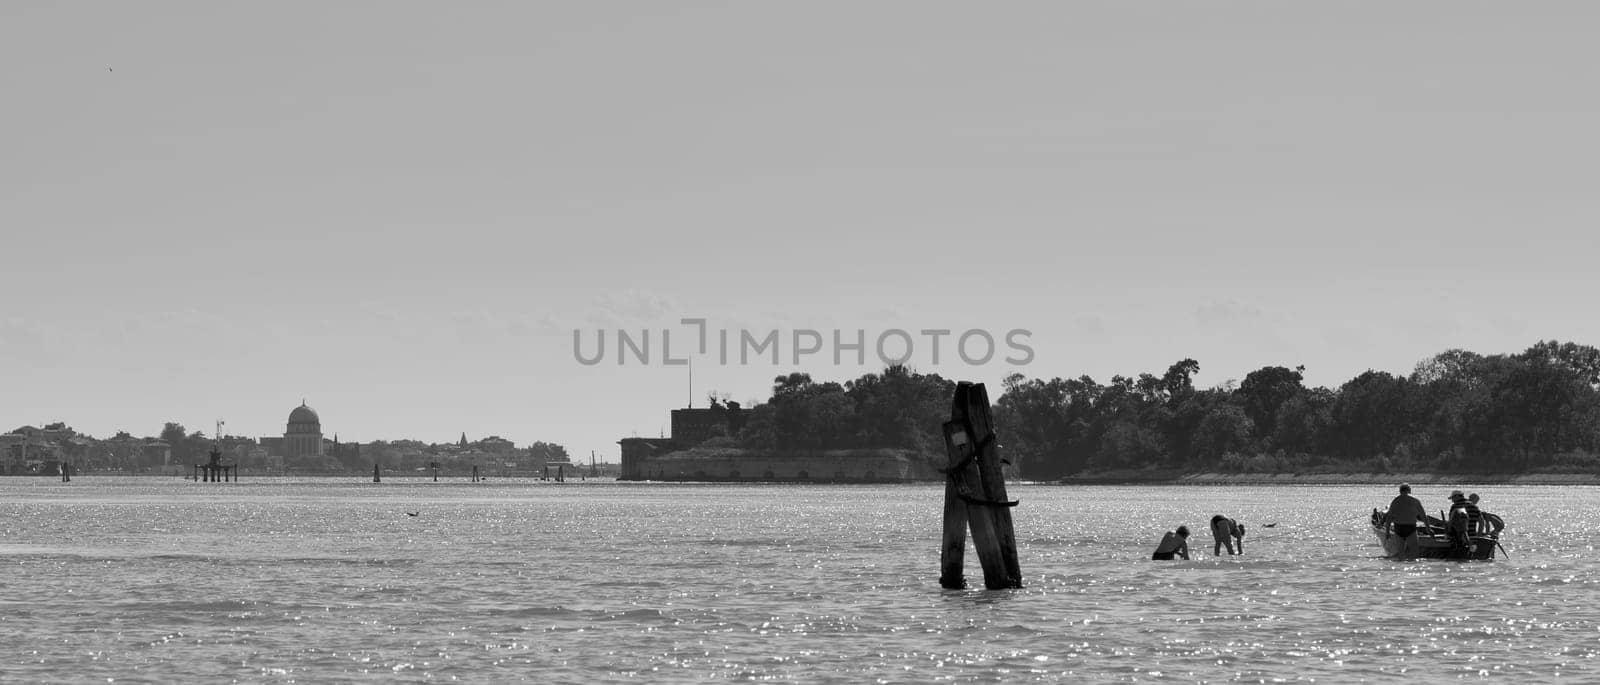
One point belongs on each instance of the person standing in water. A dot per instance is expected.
(1405, 513)
(1222, 532)
(1173, 543)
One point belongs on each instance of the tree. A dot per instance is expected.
(1224, 428)
(1031, 418)
(1264, 391)
(1582, 361)
(1372, 414)
(178, 441)
(901, 409)
(1179, 380)
(760, 429)
(1304, 421)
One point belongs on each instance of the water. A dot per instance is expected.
(158, 580)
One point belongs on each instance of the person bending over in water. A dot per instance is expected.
(1238, 535)
(1173, 543)
(1222, 529)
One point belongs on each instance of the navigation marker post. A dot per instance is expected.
(975, 496)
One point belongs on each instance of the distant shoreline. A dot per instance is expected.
(1424, 478)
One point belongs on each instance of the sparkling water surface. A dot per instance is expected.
(329, 580)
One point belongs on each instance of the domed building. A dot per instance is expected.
(303, 436)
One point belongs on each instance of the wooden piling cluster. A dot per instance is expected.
(214, 471)
(975, 496)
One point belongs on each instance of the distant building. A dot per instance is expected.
(638, 453)
(303, 436)
(155, 452)
(692, 426)
(674, 458)
(57, 432)
(497, 445)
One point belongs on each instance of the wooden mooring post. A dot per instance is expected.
(214, 471)
(975, 496)
(375, 477)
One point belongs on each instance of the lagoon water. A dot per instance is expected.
(329, 580)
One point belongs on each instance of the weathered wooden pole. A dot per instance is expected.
(66, 472)
(975, 495)
(953, 552)
(375, 477)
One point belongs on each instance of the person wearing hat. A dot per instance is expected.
(1405, 514)
(1465, 520)
(1174, 543)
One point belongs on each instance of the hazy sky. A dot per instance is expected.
(400, 212)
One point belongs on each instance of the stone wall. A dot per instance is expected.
(831, 466)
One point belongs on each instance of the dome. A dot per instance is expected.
(304, 414)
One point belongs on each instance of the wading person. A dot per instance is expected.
(1173, 544)
(1405, 513)
(1222, 532)
(1238, 535)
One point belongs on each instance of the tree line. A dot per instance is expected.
(1457, 411)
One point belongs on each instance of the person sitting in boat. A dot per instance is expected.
(1492, 525)
(1222, 531)
(1404, 515)
(1173, 543)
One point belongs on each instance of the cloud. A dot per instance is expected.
(1215, 315)
(633, 307)
(542, 326)
(1089, 327)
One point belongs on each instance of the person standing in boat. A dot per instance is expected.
(1405, 513)
(1222, 532)
(1174, 543)
(1492, 525)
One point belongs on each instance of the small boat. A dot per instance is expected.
(1433, 540)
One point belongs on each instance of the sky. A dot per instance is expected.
(405, 214)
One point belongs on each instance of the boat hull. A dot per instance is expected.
(1434, 543)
